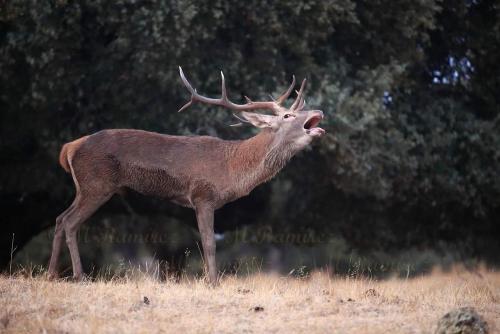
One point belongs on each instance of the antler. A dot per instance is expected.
(275, 106)
(299, 102)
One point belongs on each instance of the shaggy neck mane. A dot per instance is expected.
(259, 158)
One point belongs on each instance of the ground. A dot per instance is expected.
(255, 304)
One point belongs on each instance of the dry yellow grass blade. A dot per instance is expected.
(256, 304)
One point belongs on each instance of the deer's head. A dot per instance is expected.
(293, 126)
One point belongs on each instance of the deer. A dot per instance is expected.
(199, 172)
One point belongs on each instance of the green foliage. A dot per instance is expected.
(407, 160)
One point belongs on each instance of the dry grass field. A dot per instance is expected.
(256, 304)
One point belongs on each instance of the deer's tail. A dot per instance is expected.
(63, 157)
(67, 152)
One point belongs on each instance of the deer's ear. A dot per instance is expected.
(259, 120)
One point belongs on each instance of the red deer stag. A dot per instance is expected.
(203, 173)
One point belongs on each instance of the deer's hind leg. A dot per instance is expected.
(95, 183)
(84, 207)
(57, 242)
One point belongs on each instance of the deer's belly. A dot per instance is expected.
(182, 201)
(156, 182)
(233, 193)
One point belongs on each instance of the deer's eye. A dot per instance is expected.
(287, 115)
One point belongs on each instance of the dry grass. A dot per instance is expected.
(318, 304)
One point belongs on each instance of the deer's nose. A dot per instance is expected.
(320, 113)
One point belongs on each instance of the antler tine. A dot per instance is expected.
(285, 95)
(187, 105)
(299, 100)
(186, 83)
(189, 87)
(301, 104)
(224, 92)
(224, 100)
(194, 94)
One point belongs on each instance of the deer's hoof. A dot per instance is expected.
(52, 276)
(213, 283)
(78, 278)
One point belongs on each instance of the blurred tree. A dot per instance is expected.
(410, 90)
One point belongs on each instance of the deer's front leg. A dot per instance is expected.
(205, 218)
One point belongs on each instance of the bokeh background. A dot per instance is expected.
(407, 177)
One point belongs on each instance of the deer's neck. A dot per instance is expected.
(258, 159)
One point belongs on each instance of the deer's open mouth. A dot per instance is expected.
(311, 125)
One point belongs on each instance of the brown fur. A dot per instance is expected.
(63, 158)
(68, 150)
(202, 173)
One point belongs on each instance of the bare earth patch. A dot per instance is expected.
(257, 304)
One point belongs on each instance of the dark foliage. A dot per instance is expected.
(410, 90)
